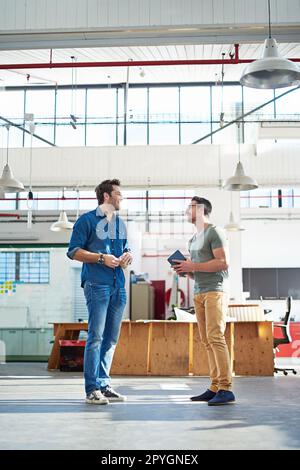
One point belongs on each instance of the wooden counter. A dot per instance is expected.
(171, 348)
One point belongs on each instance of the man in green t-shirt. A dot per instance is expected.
(209, 267)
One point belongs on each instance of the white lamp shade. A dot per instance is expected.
(271, 71)
(62, 223)
(8, 184)
(233, 226)
(240, 181)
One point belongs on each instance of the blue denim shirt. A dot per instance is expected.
(93, 232)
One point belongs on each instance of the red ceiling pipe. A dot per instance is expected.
(137, 63)
(10, 215)
(134, 63)
(160, 198)
(93, 198)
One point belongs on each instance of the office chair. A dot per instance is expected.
(285, 329)
(266, 310)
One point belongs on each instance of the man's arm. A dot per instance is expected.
(126, 258)
(78, 243)
(219, 263)
(89, 257)
(85, 256)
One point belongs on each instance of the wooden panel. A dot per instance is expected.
(63, 331)
(253, 348)
(169, 349)
(174, 348)
(131, 354)
(200, 361)
(53, 362)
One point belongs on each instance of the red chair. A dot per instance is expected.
(286, 336)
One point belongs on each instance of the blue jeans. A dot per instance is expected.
(105, 306)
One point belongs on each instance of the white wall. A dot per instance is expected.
(53, 15)
(161, 165)
(278, 308)
(45, 302)
(270, 244)
(40, 232)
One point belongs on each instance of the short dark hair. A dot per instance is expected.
(107, 186)
(207, 205)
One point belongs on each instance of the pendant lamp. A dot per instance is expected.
(8, 183)
(272, 70)
(240, 181)
(233, 226)
(62, 223)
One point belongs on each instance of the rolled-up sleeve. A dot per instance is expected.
(218, 238)
(123, 237)
(126, 248)
(79, 236)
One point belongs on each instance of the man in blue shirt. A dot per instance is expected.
(99, 241)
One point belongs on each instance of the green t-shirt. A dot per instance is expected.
(201, 248)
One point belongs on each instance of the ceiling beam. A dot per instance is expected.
(288, 33)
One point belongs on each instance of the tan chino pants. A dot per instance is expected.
(211, 309)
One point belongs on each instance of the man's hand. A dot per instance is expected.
(125, 259)
(184, 266)
(111, 261)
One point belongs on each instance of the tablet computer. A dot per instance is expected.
(176, 255)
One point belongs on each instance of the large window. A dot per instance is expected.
(270, 198)
(195, 114)
(254, 98)
(288, 106)
(164, 116)
(29, 267)
(228, 101)
(41, 103)
(137, 117)
(12, 108)
(139, 200)
(156, 114)
(70, 102)
(101, 117)
(272, 283)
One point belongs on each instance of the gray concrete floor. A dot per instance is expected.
(43, 410)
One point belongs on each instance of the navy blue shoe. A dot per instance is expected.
(223, 397)
(206, 396)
